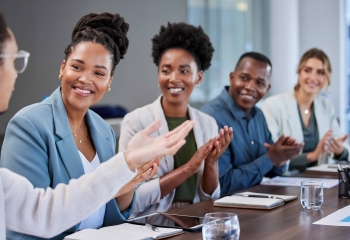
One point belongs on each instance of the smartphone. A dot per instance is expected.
(185, 222)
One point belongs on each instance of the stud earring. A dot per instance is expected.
(108, 89)
(158, 84)
(60, 77)
(197, 85)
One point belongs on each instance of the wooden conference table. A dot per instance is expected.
(289, 221)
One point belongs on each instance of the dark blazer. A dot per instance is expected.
(39, 145)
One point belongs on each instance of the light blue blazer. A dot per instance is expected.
(39, 145)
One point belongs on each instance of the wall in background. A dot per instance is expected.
(43, 28)
(322, 24)
(297, 26)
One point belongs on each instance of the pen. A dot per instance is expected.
(153, 228)
(259, 196)
(332, 166)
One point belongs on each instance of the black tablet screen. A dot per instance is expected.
(170, 220)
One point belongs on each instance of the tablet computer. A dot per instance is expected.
(185, 222)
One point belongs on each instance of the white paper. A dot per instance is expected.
(338, 218)
(296, 181)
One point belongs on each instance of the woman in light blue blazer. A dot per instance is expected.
(307, 116)
(60, 139)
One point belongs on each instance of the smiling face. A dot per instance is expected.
(86, 75)
(312, 77)
(177, 76)
(8, 73)
(249, 83)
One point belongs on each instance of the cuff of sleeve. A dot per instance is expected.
(343, 155)
(264, 164)
(204, 196)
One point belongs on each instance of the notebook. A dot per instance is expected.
(253, 200)
(123, 231)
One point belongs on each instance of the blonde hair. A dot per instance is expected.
(319, 54)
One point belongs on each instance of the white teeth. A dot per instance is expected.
(312, 85)
(82, 90)
(247, 96)
(175, 90)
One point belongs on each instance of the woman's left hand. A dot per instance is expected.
(335, 146)
(221, 143)
(144, 173)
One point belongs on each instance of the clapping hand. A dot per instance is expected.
(321, 147)
(144, 173)
(335, 146)
(222, 141)
(283, 149)
(141, 148)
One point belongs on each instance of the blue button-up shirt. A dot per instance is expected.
(244, 163)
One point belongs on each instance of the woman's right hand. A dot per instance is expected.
(200, 155)
(320, 149)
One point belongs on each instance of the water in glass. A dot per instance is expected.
(311, 196)
(223, 226)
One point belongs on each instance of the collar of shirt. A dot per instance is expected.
(236, 111)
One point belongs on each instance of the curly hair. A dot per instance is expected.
(107, 29)
(4, 34)
(185, 36)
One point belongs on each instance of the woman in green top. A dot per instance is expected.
(182, 53)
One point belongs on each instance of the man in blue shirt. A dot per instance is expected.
(252, 153)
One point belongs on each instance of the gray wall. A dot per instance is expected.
(322, 24)
(297, 26)
(43, 28)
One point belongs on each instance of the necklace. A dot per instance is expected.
(81, 140)
(306, 111)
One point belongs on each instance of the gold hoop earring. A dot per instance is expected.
(108, 89)
(60, 77)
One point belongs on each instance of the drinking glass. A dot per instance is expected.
(220, 225)
(311, 195)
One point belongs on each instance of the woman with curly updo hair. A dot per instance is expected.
(182, 53)
(60, 139)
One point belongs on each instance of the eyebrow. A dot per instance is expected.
(181, 66)
(248, 75)
(82, 62)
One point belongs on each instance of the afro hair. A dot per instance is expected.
(185, 36)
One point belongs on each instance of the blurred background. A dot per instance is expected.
(281, 29)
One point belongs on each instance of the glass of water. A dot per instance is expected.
(311, 195)
(220, 225)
